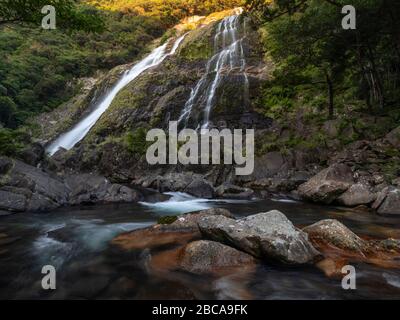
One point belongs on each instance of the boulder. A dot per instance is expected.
(191, 220)
(327, 185)
(230, 191)
(268, 235)
(208, 257)
(332, 232)
(393, 137)
(200, 188)
(391, 203)
(357, 194)
(89, 188)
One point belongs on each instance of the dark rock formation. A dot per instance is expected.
(27, 188)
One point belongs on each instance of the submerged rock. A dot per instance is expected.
(208, 257)
(268, 235)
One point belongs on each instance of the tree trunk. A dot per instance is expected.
(330, 95)
(376, 78)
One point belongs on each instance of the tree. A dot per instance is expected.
(310, 32)
(69, 15)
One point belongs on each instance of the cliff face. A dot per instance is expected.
(216, 77)
(223, 63)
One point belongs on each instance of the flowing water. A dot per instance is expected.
(229, 56)
(69, 139)
(77, 243)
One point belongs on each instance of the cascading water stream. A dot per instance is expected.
(78, 132)
(230, 57)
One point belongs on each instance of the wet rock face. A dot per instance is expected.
(27, 188)
(269, 235)
(87, 188)
(208, 257)
(327, 185)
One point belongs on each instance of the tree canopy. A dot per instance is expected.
(69, 15)
(307, 35)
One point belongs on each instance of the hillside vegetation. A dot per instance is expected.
(39, 68)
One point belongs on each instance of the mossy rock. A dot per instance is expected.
(167, 219)
(198, 44)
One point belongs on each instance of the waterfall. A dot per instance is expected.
(229, 57)
(69, 139)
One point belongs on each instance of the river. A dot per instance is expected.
(76, 241)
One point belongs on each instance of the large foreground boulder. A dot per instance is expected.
(327, 185)
(208, 257)
(340, 246)
(268, 235)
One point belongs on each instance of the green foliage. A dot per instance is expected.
(68, 14)
(12, 141)
(333, 66)
(167, 219)
(40, 66)
(135, 141)
(170, 11)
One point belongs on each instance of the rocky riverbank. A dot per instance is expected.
(27, 188)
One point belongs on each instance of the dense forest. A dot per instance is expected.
(315, 54)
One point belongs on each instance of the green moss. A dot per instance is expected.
(198, 44)
(135, 141)
(391, 170)
(167, 219)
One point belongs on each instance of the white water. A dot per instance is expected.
(230, 57)
(78, 132)
(181, 202)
